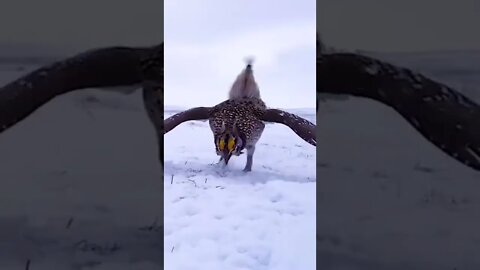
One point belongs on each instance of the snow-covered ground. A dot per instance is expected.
(81, 185)
(223, 218)
(81, 174)
(387, 198)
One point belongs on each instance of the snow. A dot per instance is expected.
(81, 185)
(387, 198)
(223, 218)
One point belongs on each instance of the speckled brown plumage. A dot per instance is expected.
(240, 120)
(244, 113)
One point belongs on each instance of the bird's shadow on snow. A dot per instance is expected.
(193, 170)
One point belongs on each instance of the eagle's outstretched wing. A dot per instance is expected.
(302, 127)
(198, 113)
(106, 67)
(445, 117)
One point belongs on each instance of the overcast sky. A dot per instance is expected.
(406, 25)
(207, 42)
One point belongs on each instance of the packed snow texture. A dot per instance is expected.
(82, 190)
(81, 174)
(223, 218)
